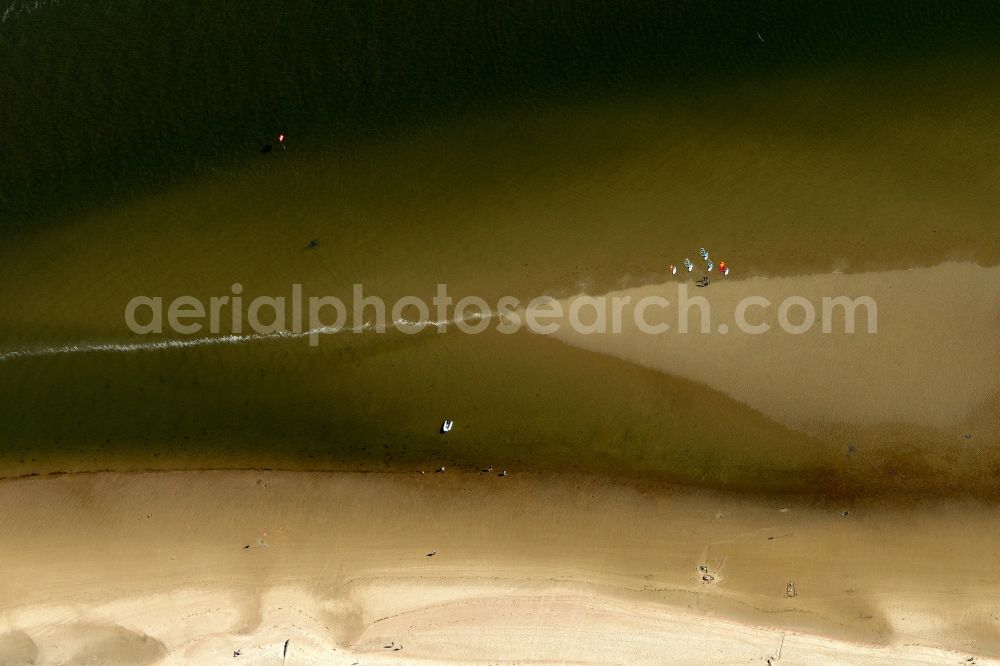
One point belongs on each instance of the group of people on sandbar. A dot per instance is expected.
(709, 267)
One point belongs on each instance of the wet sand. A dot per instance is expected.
(916, 376)
(549, 568)
(924, 354)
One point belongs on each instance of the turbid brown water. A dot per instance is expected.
(797, 169)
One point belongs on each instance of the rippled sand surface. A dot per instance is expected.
(548, 568)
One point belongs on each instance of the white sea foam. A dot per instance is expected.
(16, 10)
(230, 339)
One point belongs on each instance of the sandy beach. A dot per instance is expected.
(191, 567)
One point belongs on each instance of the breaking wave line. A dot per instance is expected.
(229, 339)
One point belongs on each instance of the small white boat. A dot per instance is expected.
(688, 265)
(710, 266)
(447, 425)
(704, 253)
(673, 269)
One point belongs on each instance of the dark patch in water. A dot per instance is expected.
(142, 96)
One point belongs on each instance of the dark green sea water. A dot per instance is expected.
(103, 99)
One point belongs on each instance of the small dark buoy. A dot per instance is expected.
(313, 244)
(266, 149)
